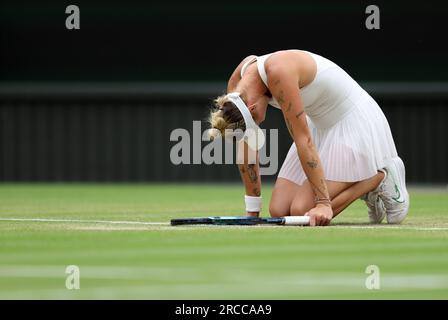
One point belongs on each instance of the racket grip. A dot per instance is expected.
(297, 221)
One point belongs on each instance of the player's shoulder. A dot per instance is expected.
(281, 62)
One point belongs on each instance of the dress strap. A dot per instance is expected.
(261, 70)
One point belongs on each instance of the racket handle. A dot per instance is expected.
(297, 221)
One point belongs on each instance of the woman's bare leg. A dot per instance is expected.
(282, 196)
(304, 199)
(289, 198)
(346, 197)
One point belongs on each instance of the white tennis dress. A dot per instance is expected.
(348, 128)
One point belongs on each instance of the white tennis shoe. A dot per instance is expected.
(375, 207)
(392, 191)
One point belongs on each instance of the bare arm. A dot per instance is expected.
(283, 84)
(250, 174)
(249, 170)
(236, 75)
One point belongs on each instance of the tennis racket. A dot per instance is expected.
(243, 221)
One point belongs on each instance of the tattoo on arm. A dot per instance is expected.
(312, 163)
(251, 172)
(299, 114)
(281, 98)
(253, 176)
(290, 129)
(256, 192)
(320, 192)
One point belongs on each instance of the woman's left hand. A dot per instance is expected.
(320, 215)
(252, 214)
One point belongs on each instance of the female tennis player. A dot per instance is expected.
(343, 147)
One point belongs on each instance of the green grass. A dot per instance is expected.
(126, 261)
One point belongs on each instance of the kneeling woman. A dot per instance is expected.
(343, 147)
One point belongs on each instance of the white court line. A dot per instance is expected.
(85, 221)
(390, 227)
(385, 227)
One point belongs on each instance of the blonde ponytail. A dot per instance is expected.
(218, 124)
(224, 116)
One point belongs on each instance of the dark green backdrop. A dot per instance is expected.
(58, 123)
(121, 133)
(203, 40)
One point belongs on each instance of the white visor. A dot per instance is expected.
(253, 135)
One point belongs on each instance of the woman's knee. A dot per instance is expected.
(300, 206)
(277, 209)
(282, 196)
(297, 209)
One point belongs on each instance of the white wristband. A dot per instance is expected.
(253, 204)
